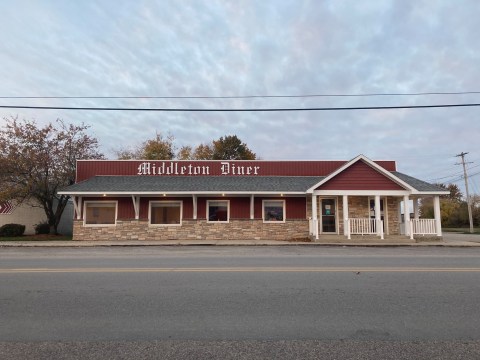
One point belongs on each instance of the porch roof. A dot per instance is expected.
(192, 184)
(419, 185)
(216, 184)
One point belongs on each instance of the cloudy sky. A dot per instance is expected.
(243, 48)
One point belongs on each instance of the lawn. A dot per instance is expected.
(36, 238)
(476, 230)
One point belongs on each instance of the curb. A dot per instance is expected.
(46, 244)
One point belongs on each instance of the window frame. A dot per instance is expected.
(216, 221)
(100, 202)
(152, 202)
(284, 206)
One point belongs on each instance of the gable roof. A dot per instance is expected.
(370, 163)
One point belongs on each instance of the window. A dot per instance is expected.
(101, 213)
(274, 210)
(165, 213)
(218, 211)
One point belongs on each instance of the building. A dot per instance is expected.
(30, 213)
(279, 200)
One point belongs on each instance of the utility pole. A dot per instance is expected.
(469, 204)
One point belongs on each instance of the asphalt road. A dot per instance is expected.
(240, 302)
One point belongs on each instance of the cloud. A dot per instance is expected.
(225, 48)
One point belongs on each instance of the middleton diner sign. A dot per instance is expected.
(195, 168)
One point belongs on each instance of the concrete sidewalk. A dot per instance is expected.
(449, 240)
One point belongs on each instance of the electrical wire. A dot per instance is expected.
(245, 96)
(454, 175)
(239, 109)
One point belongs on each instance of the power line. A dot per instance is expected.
(454, 175)
(239, 110)
(244, 96)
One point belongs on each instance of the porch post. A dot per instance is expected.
(345, 215)
(315, 216)
(406, 214)
(416, 211)
(252, 198)
(136, 206)
(378, 218)
(194, 198)
(438, 216)
(77, 205)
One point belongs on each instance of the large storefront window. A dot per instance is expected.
(102, 213)
(165, 213)
(274, 211)
(218, 211)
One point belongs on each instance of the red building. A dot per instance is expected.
(282, 200)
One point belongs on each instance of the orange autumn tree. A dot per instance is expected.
(228, 147)
(36, 162)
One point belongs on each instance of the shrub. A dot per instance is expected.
(42, 228)
(12, 230)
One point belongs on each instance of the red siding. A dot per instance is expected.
(239, 206)
(360, 176)
(89, 168)
(296, 208)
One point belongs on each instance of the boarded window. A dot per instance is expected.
(166, 213)
(100, 213)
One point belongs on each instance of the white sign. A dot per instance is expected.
(186, 169)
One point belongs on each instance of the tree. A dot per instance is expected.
(158, 148)
(37, 161)
(185, 153)
(203, 152)
(449, 204)
(231, 148)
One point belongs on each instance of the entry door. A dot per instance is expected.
(329, 223)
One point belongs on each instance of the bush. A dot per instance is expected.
(12, 230)
(42, 228)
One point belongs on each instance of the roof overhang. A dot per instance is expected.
(177, 193)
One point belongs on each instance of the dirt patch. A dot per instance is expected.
(300, 240)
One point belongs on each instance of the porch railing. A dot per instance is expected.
(364, 226)
(422, 227)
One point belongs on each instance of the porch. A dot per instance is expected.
(373, 217)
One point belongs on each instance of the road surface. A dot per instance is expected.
(253, 301)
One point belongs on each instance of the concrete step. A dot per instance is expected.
(389, 239)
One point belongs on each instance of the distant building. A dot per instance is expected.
(279, 200)
(29, 213)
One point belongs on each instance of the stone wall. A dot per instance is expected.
(193, 230)
(393, 204)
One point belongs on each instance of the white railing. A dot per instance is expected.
(364, 226)
(422, 227)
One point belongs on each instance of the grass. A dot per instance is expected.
(464, 230)
(46, 237)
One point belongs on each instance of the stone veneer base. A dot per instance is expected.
(194, 230)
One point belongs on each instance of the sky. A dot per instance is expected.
(123, 48)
